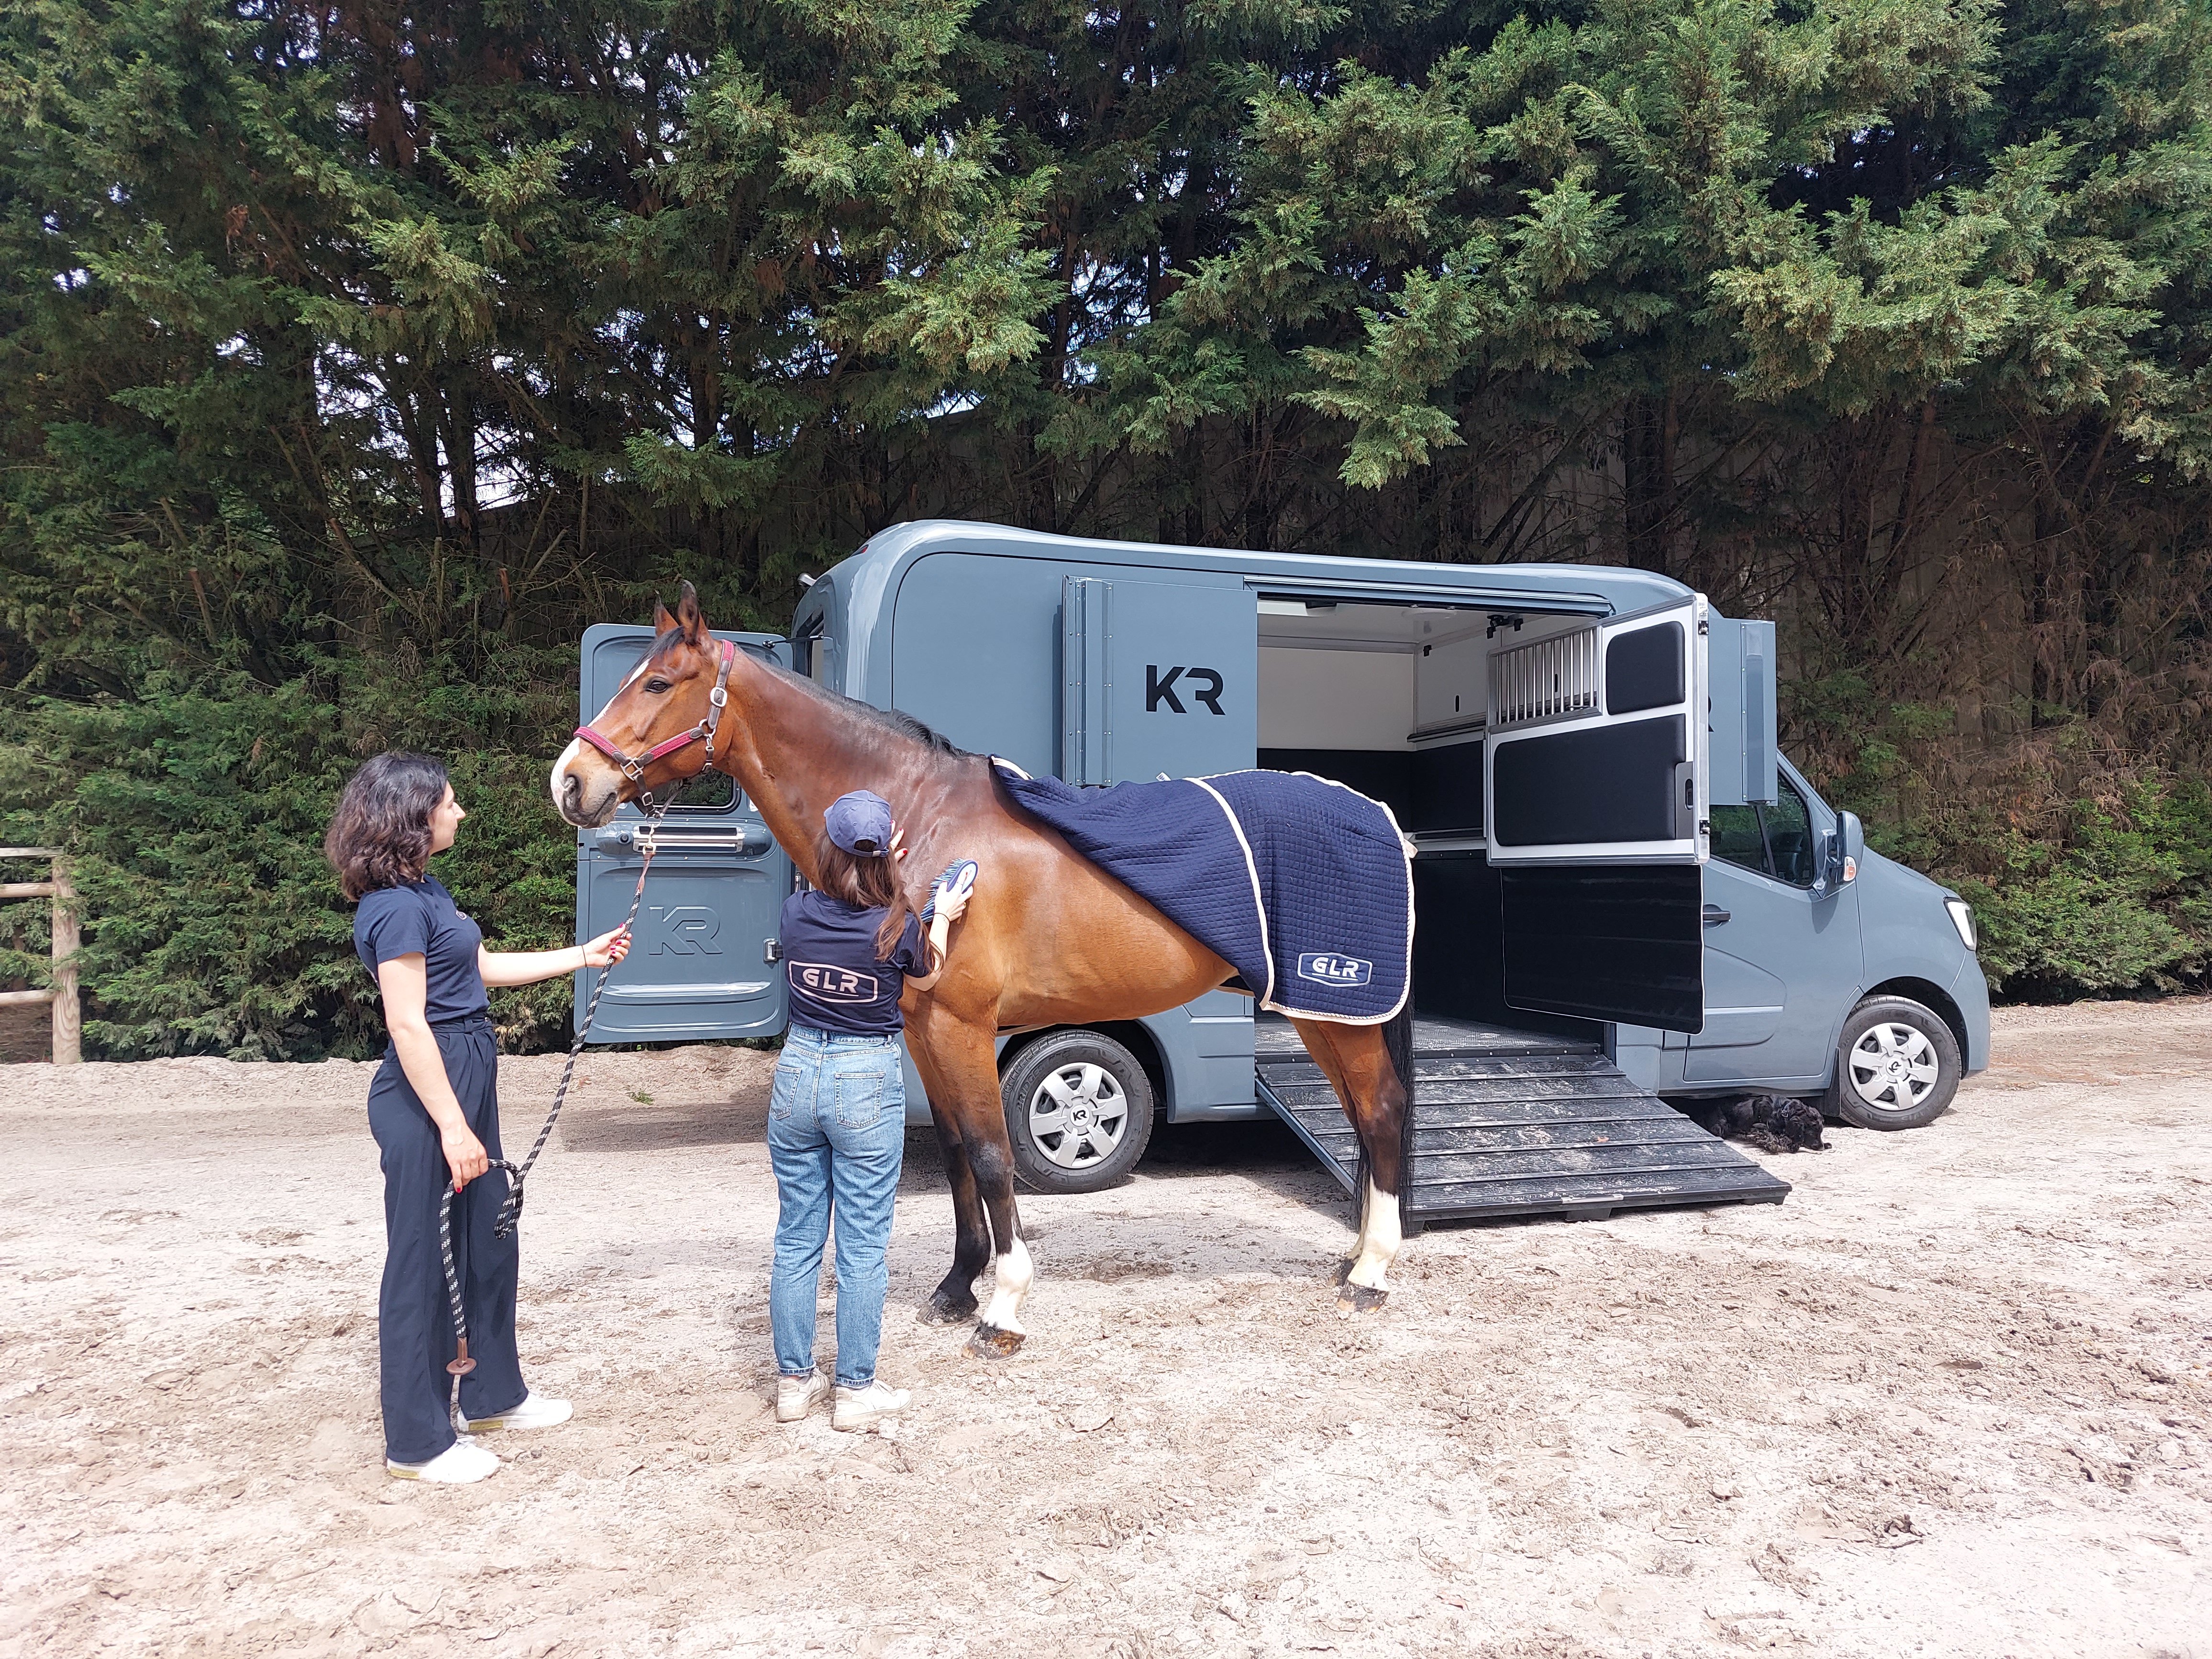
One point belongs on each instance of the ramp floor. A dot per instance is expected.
(1515, 1123)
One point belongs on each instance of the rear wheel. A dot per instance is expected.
(1896, 1067)
(1078, 1112)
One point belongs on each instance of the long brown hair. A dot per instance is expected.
(866, 884)
(380, 834)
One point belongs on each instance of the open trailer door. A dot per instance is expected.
(1596, 784)
(703, 965)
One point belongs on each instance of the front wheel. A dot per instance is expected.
(1896, 1067)
(1078, 1112)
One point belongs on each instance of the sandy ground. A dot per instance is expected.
(1953, 1397)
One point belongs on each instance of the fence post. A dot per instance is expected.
(67, 1015)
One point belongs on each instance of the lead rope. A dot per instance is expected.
(510, 1211)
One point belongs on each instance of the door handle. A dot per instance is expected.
(1714, 916)
(746, 840)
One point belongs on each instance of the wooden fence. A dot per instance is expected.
(62, 992)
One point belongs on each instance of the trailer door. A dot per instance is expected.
(701, 965)
(1157, 677)
(1597, 778)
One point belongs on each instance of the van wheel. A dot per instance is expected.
(1078, 1112)
(1896, 1067)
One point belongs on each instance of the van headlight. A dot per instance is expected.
(1962, 917)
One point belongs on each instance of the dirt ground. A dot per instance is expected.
(1954, 1397)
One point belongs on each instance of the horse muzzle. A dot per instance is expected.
(586, 789)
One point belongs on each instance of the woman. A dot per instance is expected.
(837, 1125)
(433, 1108)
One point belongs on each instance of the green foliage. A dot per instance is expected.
(352, 360)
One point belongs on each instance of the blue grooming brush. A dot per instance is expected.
(959, 877)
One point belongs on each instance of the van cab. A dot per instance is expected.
(1609, 846)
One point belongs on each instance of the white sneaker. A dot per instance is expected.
(860, 1408)
(460, 1464)
(795, 1396)
(535, 1412)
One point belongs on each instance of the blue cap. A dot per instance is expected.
(860, 822)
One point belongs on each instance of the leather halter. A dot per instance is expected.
(633, 767)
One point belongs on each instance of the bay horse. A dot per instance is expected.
(1048, 938)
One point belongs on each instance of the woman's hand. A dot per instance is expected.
(464, 1155)
(608, 949)
(950, 907)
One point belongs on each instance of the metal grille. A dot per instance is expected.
(1544, 680)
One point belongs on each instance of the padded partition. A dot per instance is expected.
(1643, 669)
(1458, 965)
(1426, 789)
(1586, 787)
(1621, 942)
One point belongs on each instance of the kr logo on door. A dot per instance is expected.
(1204, 686)
(685, 931)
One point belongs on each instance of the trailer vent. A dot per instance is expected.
(1544, 680)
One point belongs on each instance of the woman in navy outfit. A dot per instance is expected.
(433, 1108)
(837, 1125)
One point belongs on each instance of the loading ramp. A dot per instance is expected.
(1517, 1123)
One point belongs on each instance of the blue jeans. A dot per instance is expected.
(836, 1136)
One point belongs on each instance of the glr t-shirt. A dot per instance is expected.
(837, 985)
(421, 918)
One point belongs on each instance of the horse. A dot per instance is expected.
(1048, 939)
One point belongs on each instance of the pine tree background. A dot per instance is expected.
(353, 358)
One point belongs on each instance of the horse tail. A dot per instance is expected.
(1398, 1043)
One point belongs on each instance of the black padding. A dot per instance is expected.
(1603, 783)
(1643, 669)
(1447, 789)
(1458, 965)
(1431, 789)
(1622, 943)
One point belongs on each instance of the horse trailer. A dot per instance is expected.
(1624, 894)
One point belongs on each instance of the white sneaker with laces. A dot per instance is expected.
(535, 1412)
(862, 1408)
(460, 1464)
(795, 1396)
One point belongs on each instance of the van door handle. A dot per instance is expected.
(1714, 916)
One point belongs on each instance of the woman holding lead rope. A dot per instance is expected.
(433, 1108)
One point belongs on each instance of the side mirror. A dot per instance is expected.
(1840, 852)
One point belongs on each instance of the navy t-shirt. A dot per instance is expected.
(421, 919)
(837, 984)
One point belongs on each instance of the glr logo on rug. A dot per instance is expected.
(1333, 968)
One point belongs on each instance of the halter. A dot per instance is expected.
(634, 768)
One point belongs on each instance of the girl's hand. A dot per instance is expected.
(464, 1155)
(608, 949)
(951, 906)
(898, 851)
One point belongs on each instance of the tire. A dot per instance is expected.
(1078, 1112)
(1896, 1066)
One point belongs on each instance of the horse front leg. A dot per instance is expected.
(964, 1090)
(953, 1301)
(1374, 1085)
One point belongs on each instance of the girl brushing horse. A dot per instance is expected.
(1055, 940)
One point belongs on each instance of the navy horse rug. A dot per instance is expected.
(1304, 886)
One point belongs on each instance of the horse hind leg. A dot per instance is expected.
(1370, 1068)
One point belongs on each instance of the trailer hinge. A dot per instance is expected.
(772, 951)
(1704, 626)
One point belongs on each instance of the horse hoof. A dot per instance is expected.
(1361, 1298)
(942, 1310)
(989, 1342)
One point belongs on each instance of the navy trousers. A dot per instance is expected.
(414, 1318)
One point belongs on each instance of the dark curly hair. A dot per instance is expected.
(380, 834)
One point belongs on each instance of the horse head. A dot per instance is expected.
(657, 729)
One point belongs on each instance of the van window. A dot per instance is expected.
(1738, 838)
(1789, 835)
(1775, 841)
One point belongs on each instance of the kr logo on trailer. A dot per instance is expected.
(1160, 688)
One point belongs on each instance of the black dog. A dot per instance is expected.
(1772, 1123)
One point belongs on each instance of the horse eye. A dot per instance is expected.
(656, 686)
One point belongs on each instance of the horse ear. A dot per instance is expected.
(662, 622)
(687, 613)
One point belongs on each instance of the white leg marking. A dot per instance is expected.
(576, 747)
(1015, 1272)
(1379, 1238)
